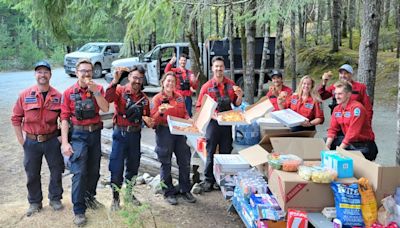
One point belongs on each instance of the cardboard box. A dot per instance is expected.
(252, 112)
(200, 121)
(342, 165)
(231, 163)
(292, 191)
(384, 180)
(266, 134)
(270, 123)
(288, 117)
(306, 148)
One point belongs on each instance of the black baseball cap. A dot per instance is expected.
(42, 63)
(275, 72)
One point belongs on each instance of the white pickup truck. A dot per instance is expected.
(153, 61)
(101, 54)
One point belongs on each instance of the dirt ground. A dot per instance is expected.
(209, 211)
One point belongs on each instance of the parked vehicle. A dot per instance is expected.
(153, 61)
(101, 54)
(156, 60)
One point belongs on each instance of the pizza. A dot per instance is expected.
(232, 117)
(192, 129)
(166, 106)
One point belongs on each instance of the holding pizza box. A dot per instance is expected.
(236, 117)
(198, 125)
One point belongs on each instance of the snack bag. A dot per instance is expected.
(297, 219)
(369, 207)
(348, 204)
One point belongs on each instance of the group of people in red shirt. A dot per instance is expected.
(351, 109)
(40, 107)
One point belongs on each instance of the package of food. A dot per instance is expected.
(317, 174)
(285, 162)
(348, 204)
(297, 219)
(369, 206)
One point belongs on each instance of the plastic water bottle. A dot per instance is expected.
(397, 196)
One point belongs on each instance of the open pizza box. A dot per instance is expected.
(179, 126)
(252, 112)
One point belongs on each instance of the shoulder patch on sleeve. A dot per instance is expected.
(357, 112)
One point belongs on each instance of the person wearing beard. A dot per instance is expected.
(351, 117)
(277, 89)
(36, 113)
(224, 92)
(80, 106)
(130, 105)
(186, 81)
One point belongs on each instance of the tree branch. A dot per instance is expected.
(211, 4)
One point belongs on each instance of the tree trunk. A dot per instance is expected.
(369, 45)
(335, 28)
(398, 118)
(301, 25)
(243, 44)
(279, 43)
(194, 51)
(345, 18)
(251, 53)
(264, 58)
(217, 21)
(231, 52)
(398, 29)
(351, 22)
(293, 49)
(386, 14)
(320, 18)
(224, 24)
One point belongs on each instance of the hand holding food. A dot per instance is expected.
(163, 107)
(238, 91)
(326, 77)
(118, 73)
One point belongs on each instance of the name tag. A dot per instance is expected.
(347, 114)
(309, 105)
(338, 114)
(30, 100)
(179, 99)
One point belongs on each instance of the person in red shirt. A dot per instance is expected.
(80, 106)
(186, 81)
(224, 91)
(351, 117)
(36, 113)
(359, 92)
(130, 105)
(277, 89)
(307, 102)
(170, 103)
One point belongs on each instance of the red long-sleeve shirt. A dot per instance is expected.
(178, 108)
(185, 75)
(311, 109)
(212, 86)
(274, 99)
(359, 94)
(36, 115)
(68, 105)
(353, 121)
(117, 95)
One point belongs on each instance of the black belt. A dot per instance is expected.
(128, 128)
(89, 128)
(42, 138)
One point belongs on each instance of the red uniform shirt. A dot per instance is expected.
(117, 95)
(68, 105)
(353, 121)
(210, 88)
(178, 108)
(37, 116)
(185, 75)
(274, 99)
(359, 94)
(311, 109)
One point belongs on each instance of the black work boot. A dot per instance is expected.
(115, 204)
(33, 208)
